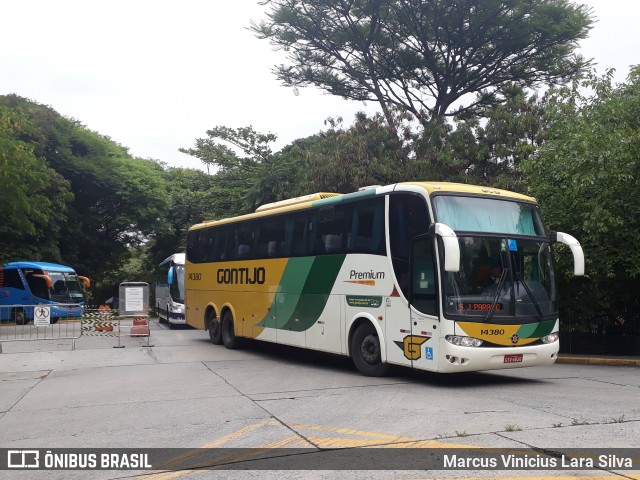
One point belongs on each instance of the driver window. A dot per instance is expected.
(423, 278)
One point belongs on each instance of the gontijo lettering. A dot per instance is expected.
(249, 276)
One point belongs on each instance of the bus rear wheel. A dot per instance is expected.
(228, 335)
(215, 331)
(366, 352)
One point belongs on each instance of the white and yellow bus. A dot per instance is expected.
(434, 276)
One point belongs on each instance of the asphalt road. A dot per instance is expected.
(183, 392)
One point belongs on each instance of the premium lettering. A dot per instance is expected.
(235, 276)
(371, 275)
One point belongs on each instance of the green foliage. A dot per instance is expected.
(487, 152)
(237, 173)
(75, 196)
(427, 57)
(34, 197)
(585, 176)
(343, 160)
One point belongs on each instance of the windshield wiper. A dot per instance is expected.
(499, 285)
(531, 296)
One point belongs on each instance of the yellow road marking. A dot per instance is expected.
(367, 439)
(175, 462)
(391, 441)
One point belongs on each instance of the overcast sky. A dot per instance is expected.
(155, 74)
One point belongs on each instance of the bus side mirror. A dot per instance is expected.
(451, 246)
(86, 281)
(170, 276)
(576, 249)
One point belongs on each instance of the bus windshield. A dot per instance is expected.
(475, 214)
(176, 289)
(501, 280)
(503, 277)
(65, 287)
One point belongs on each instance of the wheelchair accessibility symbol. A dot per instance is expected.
(42, 316)
(428, 353)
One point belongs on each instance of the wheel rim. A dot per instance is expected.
(370, 349)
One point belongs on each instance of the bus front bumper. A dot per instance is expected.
(455, 358)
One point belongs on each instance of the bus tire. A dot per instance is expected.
(366, 351)
(160, 320)
(215, 331)
(228, 334)
(169, 324)
(19, 316)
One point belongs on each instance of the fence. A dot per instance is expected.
(599, 343)
(22, 323)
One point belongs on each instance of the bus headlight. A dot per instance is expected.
(552, 337)
(463, 341)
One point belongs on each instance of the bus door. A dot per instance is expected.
(422, 347)
(397, 329)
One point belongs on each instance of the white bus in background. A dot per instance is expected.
(170, 295)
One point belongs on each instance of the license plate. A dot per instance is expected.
(517, 358)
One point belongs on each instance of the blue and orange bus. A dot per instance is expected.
(26, 284)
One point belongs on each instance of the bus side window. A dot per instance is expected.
(367, 227)
(38, 286)
(423, 288)
(295, 236)
(329, 231)
(12, 279)
(245, 235)
(314, 240)
(408, 217)
(269, 239)
(227, 245)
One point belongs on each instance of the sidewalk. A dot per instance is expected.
(598, 360)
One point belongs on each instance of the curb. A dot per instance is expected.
(610, 361)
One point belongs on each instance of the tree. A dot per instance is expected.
(367, 153)
(211, 152)
(585, 176)
(34, 197)
(487, 151)
(427, 57)
(238, 154)
(90, 197)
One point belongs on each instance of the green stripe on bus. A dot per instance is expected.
(315, 293)
(536, 330)
(304, 291)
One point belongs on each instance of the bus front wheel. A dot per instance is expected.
(228, 335)
(19, 317)
(366, 352)
(160, 319)
(169, 324)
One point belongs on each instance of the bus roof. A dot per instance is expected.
(435, 187)
(177, 258)
(325, 198)
(51, 267)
